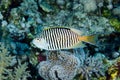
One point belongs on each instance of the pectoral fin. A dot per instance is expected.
(78, 45)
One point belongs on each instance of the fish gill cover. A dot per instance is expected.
(22, 20)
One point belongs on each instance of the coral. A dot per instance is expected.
(4, 4)
(58, 20)
(109, 6)
(7, 5)
(115, 23)
(90, 67)
(114, 70)
(93, 5)
(25, 19)
(19, 48)
(5, 59)
(71, 61)
(59, 72)
(35, 58)
(1, 16)
(64, 67)
(61, 3)
(43, 69)
(77, 18)
(89, 5)
(106, 13)
(102, 78)
(6, 62)
(45, 6)
(19, 72)
(116, 11)
(15, 33)
(115, 54)
(3, 32)
(116, 2)
(22, 19)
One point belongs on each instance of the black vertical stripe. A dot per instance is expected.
(58, 36)
(76, 38)
(61, 38)
(55, 38)
(44, 33)
(73, 39)
(52, 39)
(64, 36)
(45, 37)
(69, 38)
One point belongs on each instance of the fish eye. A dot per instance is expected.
(38, 39)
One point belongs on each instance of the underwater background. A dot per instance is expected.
(22, 20)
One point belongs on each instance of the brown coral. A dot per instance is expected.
(63, 66)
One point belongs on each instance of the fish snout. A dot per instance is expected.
(32, 43)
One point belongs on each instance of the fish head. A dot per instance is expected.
(40, 43)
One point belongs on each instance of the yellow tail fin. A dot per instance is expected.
(89, 39)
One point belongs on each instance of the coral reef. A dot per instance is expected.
(22, 20)
(79, 19)
(72, 64)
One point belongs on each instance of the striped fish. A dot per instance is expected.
(61, 38)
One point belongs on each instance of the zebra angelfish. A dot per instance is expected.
(61, 38)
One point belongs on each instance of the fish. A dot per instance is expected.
(62, 38)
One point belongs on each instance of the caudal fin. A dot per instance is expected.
(89, 39)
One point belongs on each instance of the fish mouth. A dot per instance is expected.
(33, 45)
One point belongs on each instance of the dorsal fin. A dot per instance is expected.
(76, 31)
(57, 27)
(62, 27)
